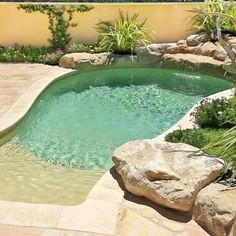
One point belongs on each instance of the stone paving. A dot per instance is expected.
(15, 79)
(108, 209)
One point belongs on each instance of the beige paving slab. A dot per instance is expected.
(15, 79)
(108, 180)
(106, 194)
(9, 230)
(46, 216)
(132, 224)
(95, 215)
(20, 214)
(4, 209)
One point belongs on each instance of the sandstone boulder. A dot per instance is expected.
(193, 62)
(73, 60)
(211, 50)
(152, 54)
(166, 173)
(180, 48)
(196, 39)
(86, 60)
(215, 210)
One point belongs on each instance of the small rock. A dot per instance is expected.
(215, 210)
(203, 38)
(170, 174)
(232, 40)
(180, 49)
(220, 55)
(181, 42)
(193, 40)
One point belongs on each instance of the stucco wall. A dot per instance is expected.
(168, 22)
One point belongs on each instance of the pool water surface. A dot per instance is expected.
(79, 121)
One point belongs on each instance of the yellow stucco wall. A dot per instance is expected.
(168, 22)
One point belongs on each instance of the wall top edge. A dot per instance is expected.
(107, 3)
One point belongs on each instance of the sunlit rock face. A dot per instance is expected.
(167, 173)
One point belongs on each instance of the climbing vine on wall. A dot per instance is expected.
(60, 19)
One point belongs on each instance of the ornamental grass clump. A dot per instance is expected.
(227, 144)
(123, 35)
(205, 19)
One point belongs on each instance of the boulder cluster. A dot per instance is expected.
(180, 177)
(195, 53)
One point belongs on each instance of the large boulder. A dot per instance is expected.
(88, 60)
(166, 173)
(152, 54)
(73, 60)
(210, 49)
(215, 210)
(194, 62)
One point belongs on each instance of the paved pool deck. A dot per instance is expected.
(108, 210)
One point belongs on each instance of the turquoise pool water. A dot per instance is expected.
(80, 120)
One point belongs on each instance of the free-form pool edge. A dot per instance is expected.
(23, 104)
(99, 212)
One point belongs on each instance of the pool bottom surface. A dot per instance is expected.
(26, 179)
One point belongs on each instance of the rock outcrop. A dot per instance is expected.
(194, 53)
(193, 62)
(73, 60)
(215, 210)
(166, 173)
(86, 60)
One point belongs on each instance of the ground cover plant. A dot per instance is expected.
(45, 55)
(103, 1)
(217, 133)
(216, 113)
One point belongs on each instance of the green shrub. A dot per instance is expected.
(123, 35)
(44, 55)
(30, 54)
(33, 54)
(196, 137)
(11, 54)
(81, 47)
(206, 23)
(52, 58)
(216, 113)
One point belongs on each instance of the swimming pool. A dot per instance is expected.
(80, 120)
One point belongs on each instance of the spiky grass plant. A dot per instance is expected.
(123, 35)
(206, 23)
(227, 142)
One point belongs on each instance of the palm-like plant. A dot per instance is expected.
(123, 35)
(219, 17)
(204, 20)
